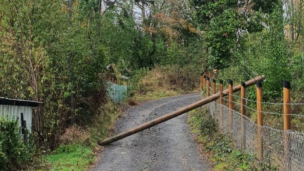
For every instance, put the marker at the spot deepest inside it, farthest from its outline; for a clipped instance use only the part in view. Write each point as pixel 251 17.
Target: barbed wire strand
pixel 270 103
pixel 264 112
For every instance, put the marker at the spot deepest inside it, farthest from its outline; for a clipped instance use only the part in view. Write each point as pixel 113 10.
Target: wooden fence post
pixel 230 105
pixel 208 93
pixel 287 123
pixel 23 128
pixel 213 86
pixel 208 86
pixel 202 80
pixel 214 92
pixel 205 82
pixel 243 113
pixel 259 120
pixel 221 106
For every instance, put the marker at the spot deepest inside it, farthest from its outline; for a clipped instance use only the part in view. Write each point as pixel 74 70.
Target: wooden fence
pixel 279 148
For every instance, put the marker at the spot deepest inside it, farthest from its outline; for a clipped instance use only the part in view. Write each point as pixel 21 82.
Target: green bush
pixel 14 153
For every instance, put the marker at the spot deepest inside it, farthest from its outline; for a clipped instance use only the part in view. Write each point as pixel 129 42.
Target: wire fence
pixel 116 92
pixel 283 150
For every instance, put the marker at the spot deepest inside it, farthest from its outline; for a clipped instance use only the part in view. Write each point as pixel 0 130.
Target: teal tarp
pixel 117 92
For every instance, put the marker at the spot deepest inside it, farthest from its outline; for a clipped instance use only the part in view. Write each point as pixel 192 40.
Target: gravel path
pixel 168 146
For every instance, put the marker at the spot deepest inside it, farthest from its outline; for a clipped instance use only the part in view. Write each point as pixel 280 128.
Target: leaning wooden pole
pixel 175 113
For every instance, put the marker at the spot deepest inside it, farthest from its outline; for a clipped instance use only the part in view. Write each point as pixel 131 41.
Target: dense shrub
pixel 14 153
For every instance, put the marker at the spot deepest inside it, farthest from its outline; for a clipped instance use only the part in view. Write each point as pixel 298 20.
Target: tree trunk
pixel 143 12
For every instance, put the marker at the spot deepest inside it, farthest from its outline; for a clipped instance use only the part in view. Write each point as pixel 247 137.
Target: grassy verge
pixel 79 149
pixel 218 146
pixel 154 95
pixel 70 157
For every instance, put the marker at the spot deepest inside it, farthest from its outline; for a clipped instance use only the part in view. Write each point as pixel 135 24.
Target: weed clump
pixel 218 146
pixel 74 135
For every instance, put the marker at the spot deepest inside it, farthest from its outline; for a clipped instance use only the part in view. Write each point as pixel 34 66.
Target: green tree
pixel 266 53
pixel 47 56
pixel 224 22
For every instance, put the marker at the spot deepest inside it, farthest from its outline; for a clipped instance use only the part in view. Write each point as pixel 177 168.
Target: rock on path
pixel 168 146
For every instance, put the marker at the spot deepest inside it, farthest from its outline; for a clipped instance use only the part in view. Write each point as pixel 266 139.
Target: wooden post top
pixel 259 84
pixel 230 82
pixel 286 84
pixel 243 84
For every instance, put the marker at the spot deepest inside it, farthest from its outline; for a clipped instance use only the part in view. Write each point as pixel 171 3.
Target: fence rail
pixel 282 149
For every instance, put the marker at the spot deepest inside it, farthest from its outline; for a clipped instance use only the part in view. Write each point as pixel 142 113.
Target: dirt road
pixel 165 147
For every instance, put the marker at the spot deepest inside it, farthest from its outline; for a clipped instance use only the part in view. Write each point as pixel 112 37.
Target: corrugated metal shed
pixel 15 108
